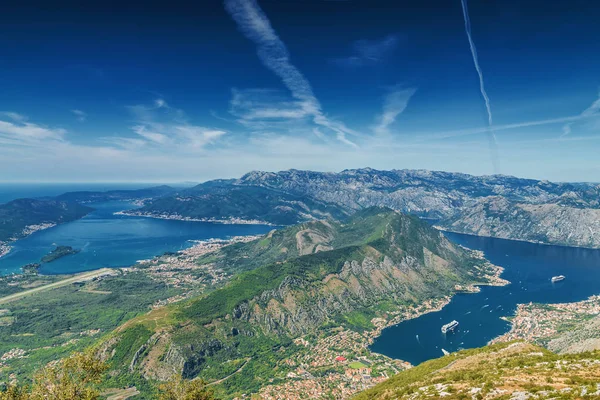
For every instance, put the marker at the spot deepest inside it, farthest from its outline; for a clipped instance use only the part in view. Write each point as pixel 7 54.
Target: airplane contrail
pixel 491 135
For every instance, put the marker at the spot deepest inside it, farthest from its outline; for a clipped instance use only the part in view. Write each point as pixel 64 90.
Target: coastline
pixel 443 229
pixel 5 247
pixel 539 322
pixel 177 217
pixel 344 348
pixel 434 305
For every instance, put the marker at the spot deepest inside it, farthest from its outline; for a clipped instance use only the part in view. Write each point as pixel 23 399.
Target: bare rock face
pixel 546 223
pixel 495 206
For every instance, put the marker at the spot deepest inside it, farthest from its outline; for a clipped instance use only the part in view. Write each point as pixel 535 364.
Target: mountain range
pixel 496 206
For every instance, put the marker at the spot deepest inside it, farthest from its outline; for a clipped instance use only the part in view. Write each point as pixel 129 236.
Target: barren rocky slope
pixel 546 223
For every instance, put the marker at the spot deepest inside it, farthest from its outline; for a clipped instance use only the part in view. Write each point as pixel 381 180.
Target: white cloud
pixel 592 111
pixel 20 132
pixel 14 116
pixel 252 105
pixel 394 104
pixel 272 52
pixel 151 136
pixel 369 52
pixel 80 115
pixel 163 128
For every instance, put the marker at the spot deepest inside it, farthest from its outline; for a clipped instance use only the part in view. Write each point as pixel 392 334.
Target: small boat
pixel 450 326
pixel 557 278
pixel 446 352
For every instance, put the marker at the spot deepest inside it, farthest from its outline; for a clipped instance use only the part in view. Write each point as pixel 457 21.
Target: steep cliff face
pixel 376 257
pixel 547 223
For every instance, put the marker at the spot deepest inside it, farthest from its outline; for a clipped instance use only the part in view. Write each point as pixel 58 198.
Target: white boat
pixel 557 278
pixel 450 326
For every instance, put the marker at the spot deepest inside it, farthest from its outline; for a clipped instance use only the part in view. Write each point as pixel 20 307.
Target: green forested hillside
pixel 225 202
pixel 350 271
pixel 17 215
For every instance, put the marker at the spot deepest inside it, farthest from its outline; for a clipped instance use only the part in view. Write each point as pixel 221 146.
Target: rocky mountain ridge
pixel 554 213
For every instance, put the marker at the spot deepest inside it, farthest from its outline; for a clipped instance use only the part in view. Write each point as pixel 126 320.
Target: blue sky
pixel 187 92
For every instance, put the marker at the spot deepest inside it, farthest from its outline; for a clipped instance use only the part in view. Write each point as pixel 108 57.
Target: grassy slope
pixel 495 372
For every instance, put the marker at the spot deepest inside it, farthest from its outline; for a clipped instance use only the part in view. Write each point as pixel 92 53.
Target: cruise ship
pixel 450 326
pixel 557 278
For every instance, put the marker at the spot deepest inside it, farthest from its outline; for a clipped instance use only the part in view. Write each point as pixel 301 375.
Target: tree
pixel 178 388
pixel 72 378
pixel 14 392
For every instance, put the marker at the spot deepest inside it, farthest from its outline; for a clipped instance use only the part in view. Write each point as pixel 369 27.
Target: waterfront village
pixel 181 270
pixel 28 230
pixel 539 323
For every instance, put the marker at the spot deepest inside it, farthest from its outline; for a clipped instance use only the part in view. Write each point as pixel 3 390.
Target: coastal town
pixel 5 246
pixel 538 323
pixel 177 217
pixel 181 269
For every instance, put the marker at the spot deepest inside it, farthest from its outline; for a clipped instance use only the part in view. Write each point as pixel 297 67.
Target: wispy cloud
pixel 13 116
pixel 589 113
pixel 162 127
pixel 490 132
pixel 16 130
pixel 80 115
pixel 369 52
pixel 592 111
pixel 272 52
pixel 250 105
pixel 394 104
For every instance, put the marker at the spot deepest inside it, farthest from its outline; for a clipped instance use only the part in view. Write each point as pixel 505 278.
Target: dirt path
pixel 230 375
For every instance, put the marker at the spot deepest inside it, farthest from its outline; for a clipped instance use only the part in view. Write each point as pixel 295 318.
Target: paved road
pixel 64 282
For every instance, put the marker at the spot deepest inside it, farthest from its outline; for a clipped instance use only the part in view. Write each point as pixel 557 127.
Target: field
pixel 357 365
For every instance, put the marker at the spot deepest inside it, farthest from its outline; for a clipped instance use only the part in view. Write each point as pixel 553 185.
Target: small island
pixel 58 252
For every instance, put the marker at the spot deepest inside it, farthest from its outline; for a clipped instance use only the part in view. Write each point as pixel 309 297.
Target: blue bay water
pixel 528 266
pixel 108 240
